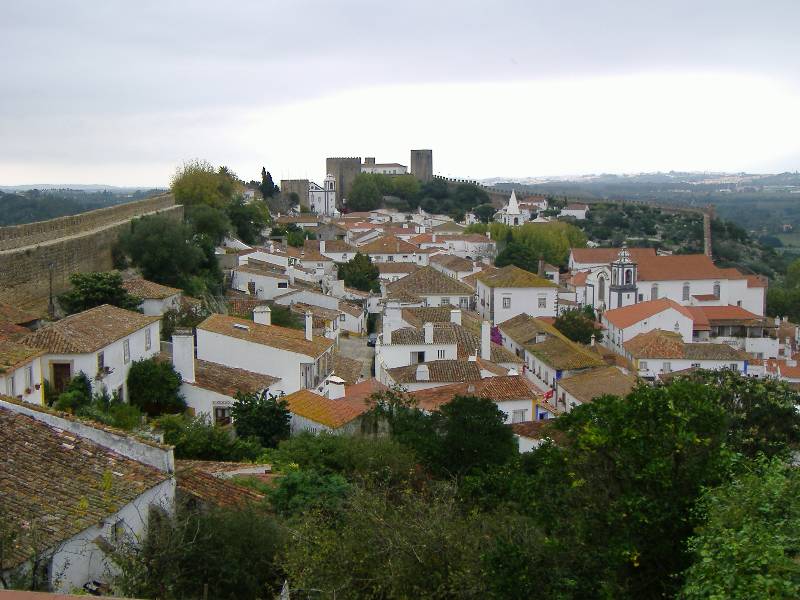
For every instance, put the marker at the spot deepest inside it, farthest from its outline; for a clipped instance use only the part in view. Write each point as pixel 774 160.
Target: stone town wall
pixel 76 244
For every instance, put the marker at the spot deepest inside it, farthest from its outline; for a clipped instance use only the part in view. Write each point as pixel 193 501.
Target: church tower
pixel 622 291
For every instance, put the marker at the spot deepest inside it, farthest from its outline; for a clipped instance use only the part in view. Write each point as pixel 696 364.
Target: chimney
pixel 335 387
pixel 321 246
pixel 594 339
pixel 455 316
pixel 486 341
pixel 262 315
pixel 387 332
pixel 423 374
pixel 290 274
pixel 183 353
pixel 512 372
pixel 541 267
pixel 309 326
pixel 489 234
pixel 428 329
pixel 433 238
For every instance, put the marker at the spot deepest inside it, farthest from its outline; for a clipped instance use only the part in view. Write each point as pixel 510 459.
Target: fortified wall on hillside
pixel 30 254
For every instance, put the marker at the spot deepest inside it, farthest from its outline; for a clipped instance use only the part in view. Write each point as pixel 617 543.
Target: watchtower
pixel 422 164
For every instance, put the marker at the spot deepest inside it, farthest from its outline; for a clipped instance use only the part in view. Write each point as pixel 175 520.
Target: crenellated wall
pixel 76 244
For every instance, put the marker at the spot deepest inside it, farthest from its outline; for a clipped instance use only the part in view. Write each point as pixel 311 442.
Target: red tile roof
pixel 608 255
pixel 630 315
pixel 507 387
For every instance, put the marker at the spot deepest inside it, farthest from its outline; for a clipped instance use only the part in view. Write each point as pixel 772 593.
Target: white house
pixel 623 324
pixel 511 291
pixel 658 352
pixel 512 213
pixel 340 413
pixel 210 388
pixel 453 266
pixel 431 286
pixel 584 387
pixel 73 492
pixel 575 210
pixel 322 198
pixel 370 166
pixel 101 342
pixel 156 299
pixel 389 248
pixel 298 358
pixel 21 372
pixel 351 317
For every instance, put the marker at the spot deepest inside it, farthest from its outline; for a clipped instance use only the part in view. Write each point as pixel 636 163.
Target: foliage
pixel 359 273
pixel 111 410
pixel 484 212
pixel 298 491
pixel 248 219
pixel 262 416
pixel 466 434
pixel 406 186
pixel 93 289
pixel 232 550
pixel 196 438
pixel 185 317
pixel 747 546
pixel 77 394
pixel 209 221
pixel 284 317
pixel 579 326
pixel 550 241
pixel 155 387
pixel 267 186
pixel 197 182
pixel 168 252
pixel 365 193
pixel 294 234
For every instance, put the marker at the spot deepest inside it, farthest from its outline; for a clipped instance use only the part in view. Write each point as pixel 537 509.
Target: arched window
pixel 716 289
pixel 654 292
pixel 601 289
pixel 628 276
pixel 686 290
pixel 516 221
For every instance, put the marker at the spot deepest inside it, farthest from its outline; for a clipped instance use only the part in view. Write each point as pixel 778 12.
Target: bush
pixel 299 491
pixel 154 386
pixel 93 289
pixel 261 416
pixel 196 438
pixel 76 394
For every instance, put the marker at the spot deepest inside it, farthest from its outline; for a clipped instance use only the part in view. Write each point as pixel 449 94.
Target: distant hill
pixel 83 187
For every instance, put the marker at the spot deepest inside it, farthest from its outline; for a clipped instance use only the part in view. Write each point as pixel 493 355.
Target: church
pixel 512 213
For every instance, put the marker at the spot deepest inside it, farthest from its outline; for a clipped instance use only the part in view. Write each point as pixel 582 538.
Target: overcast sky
pixel 121 92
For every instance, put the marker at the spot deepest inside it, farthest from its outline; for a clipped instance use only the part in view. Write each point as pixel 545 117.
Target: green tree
pixel 469 195
pixel 155 387
pixel 365 193
pixel 197 182
pixel 196 438
pixel 747 545
pixel 77 394
pixel 406 186
pixel 262 416
pixel 248 220
pixel 520 255
pixel 267 187
pixel 793 275
pixel 209 221
pixel 484 212
pixel 578 326
pixel 299 491
pixel 93 289
pixel 359 273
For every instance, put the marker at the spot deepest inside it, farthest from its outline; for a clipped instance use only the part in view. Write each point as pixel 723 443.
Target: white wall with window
pixel 24 382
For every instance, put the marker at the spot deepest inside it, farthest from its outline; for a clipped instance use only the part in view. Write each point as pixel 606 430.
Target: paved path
pixel 356 348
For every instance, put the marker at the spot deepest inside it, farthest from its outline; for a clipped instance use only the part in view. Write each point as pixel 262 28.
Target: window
pixel 685 291
pixel 28 377
pixel 282 285
pixel 518 416
pixel 445 301
pixel 542 301
pixel 463 302
pixel 148 341
pixel 440 354
pixel 507 302
pixel 601 288
pixel 342 317
pixel 126 351
pixel 654 292
pixel 734 367
pixel 222 415
pixel 11 387
pixel 695 365
pixel 716 289
pixel 643 365
pixel 739 303
pixel 667 368
pixel 101 361
pixel 391 258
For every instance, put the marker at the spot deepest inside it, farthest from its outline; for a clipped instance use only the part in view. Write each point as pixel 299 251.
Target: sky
pixel 122 93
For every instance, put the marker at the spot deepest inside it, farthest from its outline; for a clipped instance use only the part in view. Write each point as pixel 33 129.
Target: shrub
pixel 154 386
pixel 197 438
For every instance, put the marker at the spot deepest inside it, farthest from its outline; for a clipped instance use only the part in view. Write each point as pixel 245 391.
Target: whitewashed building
pixel 510 291
pixel 512 213
pixel 322 198
pixel 21 372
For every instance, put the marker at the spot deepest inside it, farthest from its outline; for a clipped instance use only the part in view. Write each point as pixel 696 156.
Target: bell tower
pixel 622 291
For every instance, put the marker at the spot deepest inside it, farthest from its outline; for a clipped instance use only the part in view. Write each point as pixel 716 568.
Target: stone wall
pixel 30 254
pixel 344 171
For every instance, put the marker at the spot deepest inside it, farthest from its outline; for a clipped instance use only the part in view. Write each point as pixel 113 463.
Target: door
pixel 62 372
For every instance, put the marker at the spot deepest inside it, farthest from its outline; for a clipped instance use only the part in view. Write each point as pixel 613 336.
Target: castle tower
pixel 344 172
pixel 422 164
pixel 622 291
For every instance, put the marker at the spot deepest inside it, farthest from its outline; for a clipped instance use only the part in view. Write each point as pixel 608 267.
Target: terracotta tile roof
pixel 509 387
pixel 467 342
pixel 427 238
pixel 607 255
pixel 351 309
pixel 524 328
pixel 438 371
pixel 333 246
pixel 577 207
pixel 540 430
pixel 725 315
pixel 88 331
pixel 390 244
pixel 243 307
pixel 630 315
pixel 756 281
pixel 14 315
pixel 667 344
pixel 68 483
pixel 146 290
pixel 704 297
pixel 590 384
pixel 418 316
pixel 273 336
pixel 13 355
pixel 210 489
pixel 358 394
pixel 322 410
pixel 471 280
pixel 259 268
pixel 12 331
pixel 229 380
pixel 511 276
pixel 404 297
pixel 579 278
pixel 682 267
pixel 452 262
pixel 397 267
pixel 449 226
pixel 428 281
pixel 413 336
pixel 319 313
pixel 347 368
